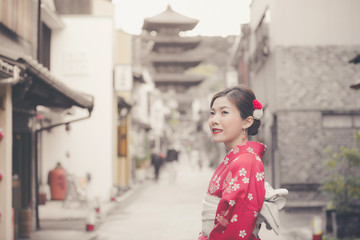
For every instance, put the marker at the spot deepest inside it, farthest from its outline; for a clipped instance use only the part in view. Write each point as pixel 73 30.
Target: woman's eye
pixel 212 113
pixel 225 112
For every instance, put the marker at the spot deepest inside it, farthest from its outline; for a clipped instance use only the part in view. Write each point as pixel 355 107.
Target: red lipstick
pixel 216 130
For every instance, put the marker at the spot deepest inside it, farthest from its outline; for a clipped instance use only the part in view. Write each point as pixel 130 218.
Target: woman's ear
pixel 248 122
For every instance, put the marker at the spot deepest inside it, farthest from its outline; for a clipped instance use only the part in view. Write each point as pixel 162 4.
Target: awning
pixel 123 107
pixel 123 104
pixel 39 87
pixel 138 75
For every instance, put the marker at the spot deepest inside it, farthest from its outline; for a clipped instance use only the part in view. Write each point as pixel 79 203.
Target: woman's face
pixel 226 124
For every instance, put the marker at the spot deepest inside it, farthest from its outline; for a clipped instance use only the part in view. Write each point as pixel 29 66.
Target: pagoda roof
pixel 163 79
pixel 183 59
pixel 173 41
pixel 186 42
pixel 186 46
pixel 169 19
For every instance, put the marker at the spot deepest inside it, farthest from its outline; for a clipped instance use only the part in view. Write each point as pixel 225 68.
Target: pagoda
pixel 171 55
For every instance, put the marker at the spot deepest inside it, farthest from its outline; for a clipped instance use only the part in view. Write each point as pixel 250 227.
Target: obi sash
pixel 274 201
pixel 210 204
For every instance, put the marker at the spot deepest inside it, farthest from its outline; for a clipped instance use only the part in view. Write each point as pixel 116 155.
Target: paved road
pixel 166 210
pixel 163 210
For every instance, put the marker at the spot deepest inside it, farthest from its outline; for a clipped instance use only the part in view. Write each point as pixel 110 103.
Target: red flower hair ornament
pixel 258 110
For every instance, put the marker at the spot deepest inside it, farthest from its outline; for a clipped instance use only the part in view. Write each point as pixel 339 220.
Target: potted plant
pixel 342 185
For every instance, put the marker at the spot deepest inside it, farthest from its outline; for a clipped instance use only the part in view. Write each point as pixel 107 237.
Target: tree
pixel 343 183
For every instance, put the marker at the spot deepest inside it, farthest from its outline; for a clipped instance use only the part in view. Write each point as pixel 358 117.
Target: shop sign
pixel 123 78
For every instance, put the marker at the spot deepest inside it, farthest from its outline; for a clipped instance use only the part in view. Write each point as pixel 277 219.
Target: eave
pixel 39 87
pixel 177 79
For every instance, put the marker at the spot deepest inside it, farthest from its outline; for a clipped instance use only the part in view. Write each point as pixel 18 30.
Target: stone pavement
pixel 58 222
pixel 120 219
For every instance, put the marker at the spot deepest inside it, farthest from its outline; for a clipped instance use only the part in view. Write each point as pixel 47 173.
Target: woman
pixel 236 191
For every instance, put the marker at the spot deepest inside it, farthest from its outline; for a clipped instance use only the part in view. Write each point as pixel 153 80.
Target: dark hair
pixel 243 98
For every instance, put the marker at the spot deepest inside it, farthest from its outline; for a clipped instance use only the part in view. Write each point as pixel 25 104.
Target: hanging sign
pixel 123 78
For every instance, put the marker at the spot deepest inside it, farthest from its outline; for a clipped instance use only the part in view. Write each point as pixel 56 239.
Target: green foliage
pixel 329 238
pixel 343 183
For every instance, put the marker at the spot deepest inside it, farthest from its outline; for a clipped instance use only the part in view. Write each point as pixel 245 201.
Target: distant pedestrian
pixel 236 191
pixel 196 161
pixel 157 161
pixel 171 159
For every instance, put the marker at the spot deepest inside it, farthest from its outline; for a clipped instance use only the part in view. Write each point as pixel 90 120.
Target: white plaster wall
pixel 82 57
pixel 257 10
pixel 309 22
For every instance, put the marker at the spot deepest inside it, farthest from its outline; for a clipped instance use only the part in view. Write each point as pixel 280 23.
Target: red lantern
pixel 57 182
pixel 1 133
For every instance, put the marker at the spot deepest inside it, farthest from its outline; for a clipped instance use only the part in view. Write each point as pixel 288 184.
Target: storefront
pixel 31 86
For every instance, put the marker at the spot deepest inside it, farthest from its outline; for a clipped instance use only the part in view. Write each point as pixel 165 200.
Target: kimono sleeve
pixel 243 194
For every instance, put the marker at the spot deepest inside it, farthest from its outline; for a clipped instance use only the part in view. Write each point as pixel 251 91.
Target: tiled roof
pixel 169 18
pixel 38 86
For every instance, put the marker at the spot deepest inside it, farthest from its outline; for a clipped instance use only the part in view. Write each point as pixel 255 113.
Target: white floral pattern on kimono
pixel 239 183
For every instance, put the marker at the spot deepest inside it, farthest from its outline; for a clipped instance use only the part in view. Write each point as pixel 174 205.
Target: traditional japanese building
pixel 168 55
pixel 32 101
pixel 302 72
pixel 171 54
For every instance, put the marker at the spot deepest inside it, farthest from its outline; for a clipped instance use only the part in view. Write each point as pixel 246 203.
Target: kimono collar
pixel 251 146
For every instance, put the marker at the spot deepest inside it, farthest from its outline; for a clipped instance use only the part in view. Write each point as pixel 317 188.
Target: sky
pixel 216 17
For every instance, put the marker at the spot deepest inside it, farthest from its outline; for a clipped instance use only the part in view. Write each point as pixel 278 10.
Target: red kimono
pixel 239 183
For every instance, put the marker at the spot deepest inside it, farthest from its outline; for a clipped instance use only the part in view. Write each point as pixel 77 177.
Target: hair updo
pixel 243 98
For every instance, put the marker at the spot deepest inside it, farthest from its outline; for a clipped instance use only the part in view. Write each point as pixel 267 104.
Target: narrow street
pixel 166 210
pixel 163 210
